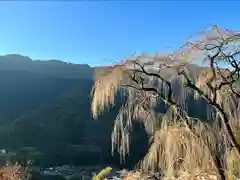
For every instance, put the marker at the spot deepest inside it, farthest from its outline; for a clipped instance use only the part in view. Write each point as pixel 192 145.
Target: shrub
pixel 104 173
pixel 14 172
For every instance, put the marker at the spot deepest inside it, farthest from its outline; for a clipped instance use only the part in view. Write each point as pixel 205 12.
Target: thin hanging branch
pixel 133 74
pixel 169 100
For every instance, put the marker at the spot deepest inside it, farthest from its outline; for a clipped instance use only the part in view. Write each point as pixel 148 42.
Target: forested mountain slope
pixel 45 113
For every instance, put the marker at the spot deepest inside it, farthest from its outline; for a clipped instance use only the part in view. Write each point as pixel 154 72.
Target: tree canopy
pixel 206 67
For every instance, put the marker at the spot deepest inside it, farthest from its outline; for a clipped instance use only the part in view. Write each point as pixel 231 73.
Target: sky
pixel 105 32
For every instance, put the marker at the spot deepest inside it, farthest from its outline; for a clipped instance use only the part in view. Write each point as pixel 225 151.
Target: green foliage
pixel 104 173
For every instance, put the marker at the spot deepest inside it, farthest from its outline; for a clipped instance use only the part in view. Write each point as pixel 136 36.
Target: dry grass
pixel 14 172
pixel 233 164
pixel 176 151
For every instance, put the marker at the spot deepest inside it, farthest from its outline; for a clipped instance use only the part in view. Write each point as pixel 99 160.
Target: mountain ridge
pixel 45 105
pixel 52 67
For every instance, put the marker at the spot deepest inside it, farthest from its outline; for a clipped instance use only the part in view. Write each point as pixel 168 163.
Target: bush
pixel 14 172
pixel 104 173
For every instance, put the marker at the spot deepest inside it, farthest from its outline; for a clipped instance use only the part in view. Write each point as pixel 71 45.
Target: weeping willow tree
pixel 207 67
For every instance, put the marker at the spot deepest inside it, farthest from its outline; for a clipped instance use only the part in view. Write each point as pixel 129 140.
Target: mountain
pixel 53 68
pixel 35 83
pixel 45 114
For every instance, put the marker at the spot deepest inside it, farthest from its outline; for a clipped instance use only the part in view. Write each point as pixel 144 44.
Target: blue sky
pixel 101 33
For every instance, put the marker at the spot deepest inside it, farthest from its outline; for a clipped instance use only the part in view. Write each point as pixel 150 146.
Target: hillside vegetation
pixel 45 114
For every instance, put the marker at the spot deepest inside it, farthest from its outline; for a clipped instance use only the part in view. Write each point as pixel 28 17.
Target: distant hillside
pixel 45 114
pixel 55 68
pixel 22 91
pixel 45 107
pixel 65 133
pixel 27 84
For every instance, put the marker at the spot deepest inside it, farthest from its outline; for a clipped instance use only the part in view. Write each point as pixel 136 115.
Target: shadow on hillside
pixel 139 144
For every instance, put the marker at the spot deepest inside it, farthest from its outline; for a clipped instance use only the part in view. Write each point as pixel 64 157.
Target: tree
pixel 206 68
